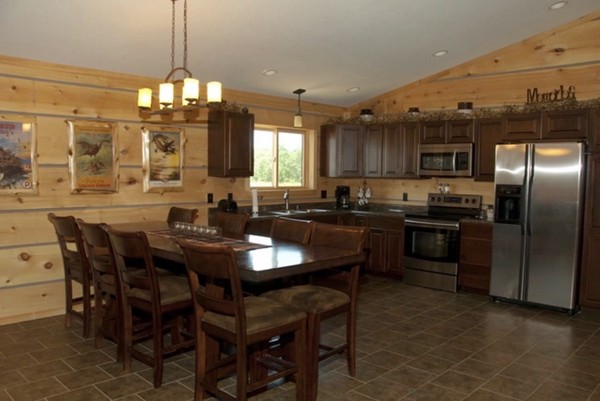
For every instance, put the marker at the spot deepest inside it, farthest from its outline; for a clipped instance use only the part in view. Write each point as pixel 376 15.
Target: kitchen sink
pixel 287 212
pixel 396 210
pixel 316 210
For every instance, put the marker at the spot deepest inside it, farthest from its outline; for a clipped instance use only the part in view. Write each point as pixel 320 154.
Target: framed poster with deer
pixel 162 152
pixel 93 157
pixel 18 155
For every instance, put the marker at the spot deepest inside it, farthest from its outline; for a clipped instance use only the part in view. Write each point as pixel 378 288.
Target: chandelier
pixel 191 86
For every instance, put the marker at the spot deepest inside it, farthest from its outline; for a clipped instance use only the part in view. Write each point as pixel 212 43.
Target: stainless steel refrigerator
pixel 537 223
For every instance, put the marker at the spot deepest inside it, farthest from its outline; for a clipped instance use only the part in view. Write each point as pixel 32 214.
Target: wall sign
pixel 162 152
pixel 18 155
pixel 562 93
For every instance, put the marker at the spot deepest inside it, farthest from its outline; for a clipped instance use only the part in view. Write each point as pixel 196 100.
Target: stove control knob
pixel 467 201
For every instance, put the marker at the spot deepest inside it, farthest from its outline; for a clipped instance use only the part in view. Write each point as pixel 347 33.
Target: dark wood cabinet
pixel 373 140
pixel 590 264
pixel 342 148
pixel 410 147
pixel 475 256
pixel 391 150
pixel 230 144
pixel 385 242
pixel 525 126
pixel 568 124
pixel 488 133
pixel 450 131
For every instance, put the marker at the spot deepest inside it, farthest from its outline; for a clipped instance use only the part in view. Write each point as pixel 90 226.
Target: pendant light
pixel 298 116
pixel 191 87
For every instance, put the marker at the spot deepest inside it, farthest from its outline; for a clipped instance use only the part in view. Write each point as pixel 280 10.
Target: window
pixel 279 158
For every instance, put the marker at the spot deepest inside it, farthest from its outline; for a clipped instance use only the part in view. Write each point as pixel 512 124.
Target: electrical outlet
pixel 209 198
pixel 404 196
pixel 324 194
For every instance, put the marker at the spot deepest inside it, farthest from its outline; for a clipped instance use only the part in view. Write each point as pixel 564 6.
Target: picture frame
pixel 163 152
pixel 18 155
pixel 93 157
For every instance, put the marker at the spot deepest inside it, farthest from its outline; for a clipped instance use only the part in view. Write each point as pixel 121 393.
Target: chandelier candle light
pixel 191 86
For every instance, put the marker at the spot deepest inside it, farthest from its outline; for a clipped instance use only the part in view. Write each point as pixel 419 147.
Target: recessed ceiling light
pixel 440 53
pixel 353 89
pixel 557 5
pixel 269 72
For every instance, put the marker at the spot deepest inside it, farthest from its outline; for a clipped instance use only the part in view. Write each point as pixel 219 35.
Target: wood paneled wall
pixel 30 266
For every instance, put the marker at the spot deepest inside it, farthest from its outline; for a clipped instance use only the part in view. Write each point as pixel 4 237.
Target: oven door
pixel 431 240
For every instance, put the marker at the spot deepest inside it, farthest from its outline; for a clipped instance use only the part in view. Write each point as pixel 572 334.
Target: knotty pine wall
pixel 31 284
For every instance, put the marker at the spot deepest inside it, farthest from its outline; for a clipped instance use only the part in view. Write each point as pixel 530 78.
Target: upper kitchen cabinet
pixel 488 133
pixel 391 150
pixel 568 124
pixel 450 131
pixel 523 126
pixel 342 148
pixel 230 144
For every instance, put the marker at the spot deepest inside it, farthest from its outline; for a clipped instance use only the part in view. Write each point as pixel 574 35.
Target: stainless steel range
pixel 431 249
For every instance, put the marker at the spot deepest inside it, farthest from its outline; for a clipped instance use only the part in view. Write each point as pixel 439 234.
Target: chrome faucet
pixel 286 198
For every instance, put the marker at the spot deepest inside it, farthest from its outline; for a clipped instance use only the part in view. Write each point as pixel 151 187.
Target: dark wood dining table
pixel 260 259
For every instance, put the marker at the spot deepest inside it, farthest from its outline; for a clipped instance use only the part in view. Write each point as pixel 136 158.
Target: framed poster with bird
pixel 18 155
pixel 162 151
pixel 93 157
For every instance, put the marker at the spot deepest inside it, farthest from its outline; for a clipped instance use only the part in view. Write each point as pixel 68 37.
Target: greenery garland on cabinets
pixel 480 113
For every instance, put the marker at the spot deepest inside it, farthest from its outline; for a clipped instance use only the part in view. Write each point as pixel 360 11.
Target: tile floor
pixel 414 344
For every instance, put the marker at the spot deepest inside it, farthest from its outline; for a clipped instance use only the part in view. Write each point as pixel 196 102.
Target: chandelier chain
pixel 173 34
pixel 185 47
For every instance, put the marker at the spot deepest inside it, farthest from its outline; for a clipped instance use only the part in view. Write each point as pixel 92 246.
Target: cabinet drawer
pixel 476 229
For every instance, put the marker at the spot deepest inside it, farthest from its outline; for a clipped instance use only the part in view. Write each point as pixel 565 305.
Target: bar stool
pixel 224 316
pixel 77 269
pixel 329 294
pixel 232 223
pixel 182 214
pixel 163 296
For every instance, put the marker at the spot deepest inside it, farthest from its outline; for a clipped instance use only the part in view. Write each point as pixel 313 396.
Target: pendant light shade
pixel 298 116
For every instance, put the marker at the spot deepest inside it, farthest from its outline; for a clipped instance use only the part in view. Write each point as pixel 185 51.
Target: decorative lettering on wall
pixel 534 96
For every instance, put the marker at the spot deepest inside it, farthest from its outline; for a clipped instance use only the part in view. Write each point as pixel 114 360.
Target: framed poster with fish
pixel 93 157
pixel 162 151
pixel 18 155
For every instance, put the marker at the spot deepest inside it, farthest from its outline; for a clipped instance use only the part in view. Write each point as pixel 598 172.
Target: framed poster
pixel 162 151
pixel 93 156
pixel 18 155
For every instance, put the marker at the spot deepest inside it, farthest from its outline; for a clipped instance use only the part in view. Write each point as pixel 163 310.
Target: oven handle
pixel 431 224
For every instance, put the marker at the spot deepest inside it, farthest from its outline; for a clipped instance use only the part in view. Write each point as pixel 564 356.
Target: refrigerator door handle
pixel 531 172
pixel 454 157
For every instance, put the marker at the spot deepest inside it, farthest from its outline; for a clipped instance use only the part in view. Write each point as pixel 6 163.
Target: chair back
pixel 131 253
pixel 71 246
pixel 343 237
pixel 182 214
pixel 215 283
pixel 293 230
pixel 96 242
pixel 232 223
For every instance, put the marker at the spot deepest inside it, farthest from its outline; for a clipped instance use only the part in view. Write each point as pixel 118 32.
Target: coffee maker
pixel 342 197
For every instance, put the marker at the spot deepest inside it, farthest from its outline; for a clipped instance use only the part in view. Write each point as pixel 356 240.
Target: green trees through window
pixel 278 158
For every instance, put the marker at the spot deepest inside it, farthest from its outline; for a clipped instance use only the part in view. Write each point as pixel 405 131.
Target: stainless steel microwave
pixel 446 160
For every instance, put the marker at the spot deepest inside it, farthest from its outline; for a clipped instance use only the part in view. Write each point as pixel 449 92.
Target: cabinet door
pixel 488 133
pixel 433 132
pixel 341 151
pixel 459 131
pixel 475 256
pixel 410 145
pixel 230 144
pixel 395 251
pixel 373 150
pixel 523 126
pixel 377 249
pixel 392 149
pixel 570 124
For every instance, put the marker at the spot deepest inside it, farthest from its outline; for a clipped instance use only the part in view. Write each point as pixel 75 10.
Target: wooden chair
pixel 332 293
pixel 231 223
pixel 76 269
pixel 107 307
pixel 223 316
pixel 161 295
pixel 294 230
pixel 182 214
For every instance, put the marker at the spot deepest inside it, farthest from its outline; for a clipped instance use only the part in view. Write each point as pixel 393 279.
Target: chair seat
pixel 261 314
pixel 172 289
pixel 309 298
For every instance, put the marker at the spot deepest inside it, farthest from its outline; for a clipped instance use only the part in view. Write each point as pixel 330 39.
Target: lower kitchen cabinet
pixel 475 256
pixel 385 243
pixel 589 294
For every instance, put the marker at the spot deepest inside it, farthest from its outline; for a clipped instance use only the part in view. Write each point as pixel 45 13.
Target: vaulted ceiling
pixel 323 46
